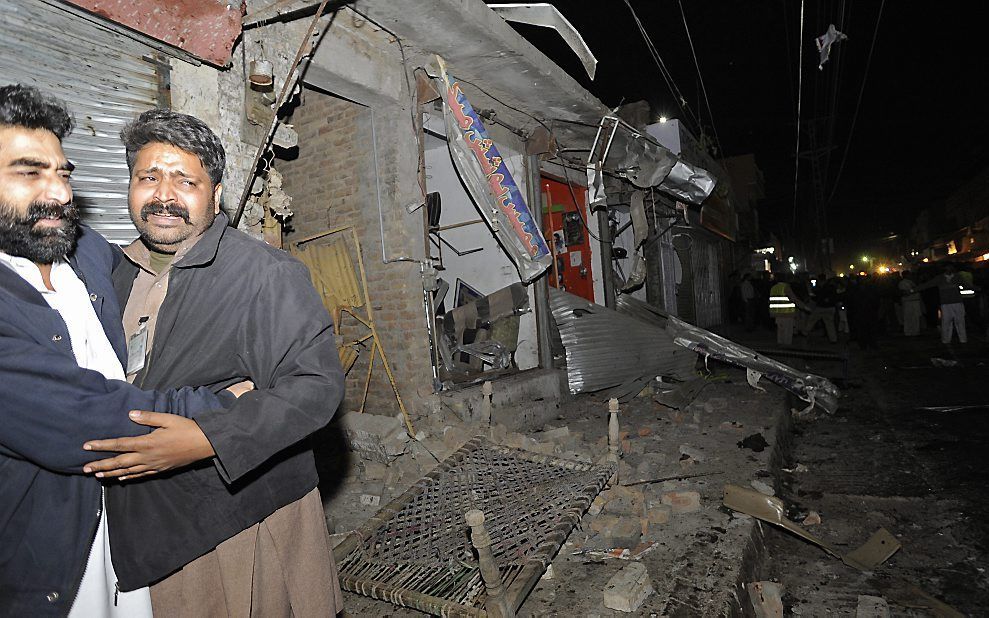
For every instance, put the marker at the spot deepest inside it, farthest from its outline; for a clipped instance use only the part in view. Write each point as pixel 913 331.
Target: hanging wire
pixel 667 76
pixel 858 104
pixel 800 86
pixel 707 101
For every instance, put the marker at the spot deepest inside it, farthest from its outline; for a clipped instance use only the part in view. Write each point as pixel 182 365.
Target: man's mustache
pixel 43 210
pixel 164 208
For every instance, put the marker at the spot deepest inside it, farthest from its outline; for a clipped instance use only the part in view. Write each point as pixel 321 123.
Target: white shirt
pixel 97 594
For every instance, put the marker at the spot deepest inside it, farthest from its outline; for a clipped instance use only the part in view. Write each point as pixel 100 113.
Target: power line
pixel 800 87
pixel 667 76
pixel 858 104
pixel 700 77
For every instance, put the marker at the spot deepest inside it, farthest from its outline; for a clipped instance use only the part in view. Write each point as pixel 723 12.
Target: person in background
pixel 783 306
pixel 751 302
pixel 825 297
pixel 949 287
pixel 913 308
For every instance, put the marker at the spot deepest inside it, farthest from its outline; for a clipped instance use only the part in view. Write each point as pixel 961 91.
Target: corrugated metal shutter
pixel 104 79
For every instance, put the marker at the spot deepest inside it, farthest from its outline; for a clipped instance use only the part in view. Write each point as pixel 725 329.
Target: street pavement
pixel 884 461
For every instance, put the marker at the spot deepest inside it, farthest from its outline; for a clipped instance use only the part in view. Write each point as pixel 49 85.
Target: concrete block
pixel 374 437
pixel 871 607
pixel 618 531
pixel 660 514
pixel 682 501
pixel 628 589
pixel 620 500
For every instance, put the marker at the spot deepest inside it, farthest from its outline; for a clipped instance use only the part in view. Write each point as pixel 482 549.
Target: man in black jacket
pixel 208 304
pixel 61 376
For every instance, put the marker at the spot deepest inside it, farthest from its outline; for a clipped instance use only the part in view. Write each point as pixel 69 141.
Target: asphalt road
pixel 883 461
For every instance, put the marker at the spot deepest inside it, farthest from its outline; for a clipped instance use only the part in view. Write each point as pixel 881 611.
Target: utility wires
pixel 667 76
pixel 800 85
pixel 707 101
pixel 858 104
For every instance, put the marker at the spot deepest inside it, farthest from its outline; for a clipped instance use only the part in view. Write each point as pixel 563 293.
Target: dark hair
pixel 25 106
pixel 185 132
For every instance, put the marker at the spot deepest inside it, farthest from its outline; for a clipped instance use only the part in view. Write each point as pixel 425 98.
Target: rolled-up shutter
pixel 105 79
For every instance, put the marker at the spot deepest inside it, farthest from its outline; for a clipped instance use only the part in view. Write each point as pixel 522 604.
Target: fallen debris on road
pixel 880 546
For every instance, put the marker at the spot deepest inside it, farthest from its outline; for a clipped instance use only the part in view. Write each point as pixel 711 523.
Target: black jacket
pixel 236 309
pixel 49 406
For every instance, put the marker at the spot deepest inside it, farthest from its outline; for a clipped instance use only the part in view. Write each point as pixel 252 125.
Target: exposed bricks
pixel 332 184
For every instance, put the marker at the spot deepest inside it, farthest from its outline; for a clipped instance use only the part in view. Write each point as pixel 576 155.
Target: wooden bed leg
pixel 487 390
pixel 496 603
pixel 614 437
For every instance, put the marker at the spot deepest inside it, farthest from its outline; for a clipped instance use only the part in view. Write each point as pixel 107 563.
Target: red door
pixel 564 227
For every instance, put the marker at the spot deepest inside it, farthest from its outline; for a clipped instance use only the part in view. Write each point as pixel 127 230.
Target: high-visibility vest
pixel 965 292
pixel 779 302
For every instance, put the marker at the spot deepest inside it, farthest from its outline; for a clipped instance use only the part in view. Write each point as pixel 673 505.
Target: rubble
pixel 763 488
pixel 871 607
pixel 766 599
pixel 682 501
pixel 617 530
pixel 375 437
pixel 628 589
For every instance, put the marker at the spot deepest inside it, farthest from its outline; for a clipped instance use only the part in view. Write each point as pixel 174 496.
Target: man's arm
pixel 50 405
pixel 293 361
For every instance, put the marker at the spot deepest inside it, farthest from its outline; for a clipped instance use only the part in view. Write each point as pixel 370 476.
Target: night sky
pixel 922 128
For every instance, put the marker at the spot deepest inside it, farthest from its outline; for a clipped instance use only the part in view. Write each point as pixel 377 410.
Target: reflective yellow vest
pixel 779 302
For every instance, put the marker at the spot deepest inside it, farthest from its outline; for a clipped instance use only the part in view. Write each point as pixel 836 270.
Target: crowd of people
pixel 863 307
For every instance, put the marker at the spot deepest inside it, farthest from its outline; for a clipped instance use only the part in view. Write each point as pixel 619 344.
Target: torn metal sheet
pixel 814 389
pixel 880 546
pixel 206 29
pixel 640 232
pixel 608 350
pixel 548 16
pixel 825 41
pixel 642 160
pixel 490 184
pixel 681 396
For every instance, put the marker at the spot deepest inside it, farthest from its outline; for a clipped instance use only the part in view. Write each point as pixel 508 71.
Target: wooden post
pixel 487 389
pixel 496 603
pixel 614 437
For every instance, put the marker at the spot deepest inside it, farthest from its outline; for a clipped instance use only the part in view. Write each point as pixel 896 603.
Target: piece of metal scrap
pixel 608 350
pixel 868 557
pixel 814 389
pixel 548 16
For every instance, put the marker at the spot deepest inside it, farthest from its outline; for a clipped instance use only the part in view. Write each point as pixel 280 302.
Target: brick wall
pixel 332 182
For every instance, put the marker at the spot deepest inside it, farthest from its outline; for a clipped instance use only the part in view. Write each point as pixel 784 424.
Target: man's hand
pixel 240 388
pixel 176 442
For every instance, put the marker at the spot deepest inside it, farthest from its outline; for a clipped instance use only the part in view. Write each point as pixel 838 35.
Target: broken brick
pixel 682 501
pixel 628 588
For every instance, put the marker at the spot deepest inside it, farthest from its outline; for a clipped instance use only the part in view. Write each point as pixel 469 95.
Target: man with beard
pixel 62 380
pixel 210 305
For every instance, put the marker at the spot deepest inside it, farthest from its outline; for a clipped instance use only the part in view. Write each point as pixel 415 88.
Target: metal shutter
pixel 105 78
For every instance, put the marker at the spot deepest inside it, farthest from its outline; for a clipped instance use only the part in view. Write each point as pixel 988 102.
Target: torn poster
pixel 490 184
pixel 825 41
